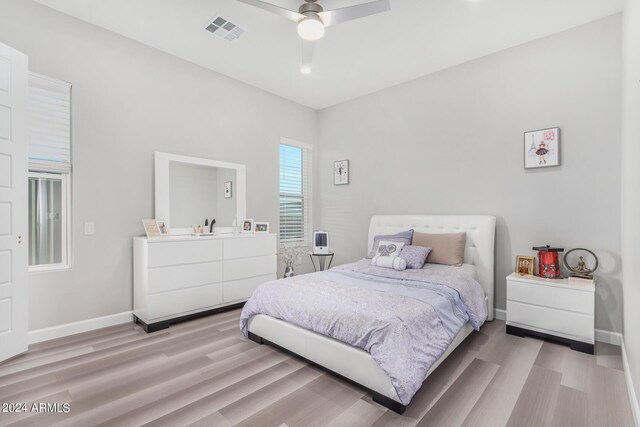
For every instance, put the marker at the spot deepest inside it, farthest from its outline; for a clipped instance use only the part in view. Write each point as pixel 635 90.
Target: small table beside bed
pixel 384 329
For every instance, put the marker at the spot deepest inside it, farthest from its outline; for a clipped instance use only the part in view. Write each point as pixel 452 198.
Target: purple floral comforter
pixel 404 319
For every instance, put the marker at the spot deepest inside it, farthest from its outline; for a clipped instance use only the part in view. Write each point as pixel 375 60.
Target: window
pixel 295 193
pixel 49 173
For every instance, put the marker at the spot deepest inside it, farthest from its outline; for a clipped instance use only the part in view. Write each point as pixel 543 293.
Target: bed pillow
pixel 388 255
pixel 415 256
pixel 402 237
pixel 447 249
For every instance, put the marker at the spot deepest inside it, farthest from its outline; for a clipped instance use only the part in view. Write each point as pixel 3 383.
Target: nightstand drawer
pixel 551 320
pixel 549 296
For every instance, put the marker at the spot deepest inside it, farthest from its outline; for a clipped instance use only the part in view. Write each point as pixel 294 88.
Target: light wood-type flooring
pixel 205 373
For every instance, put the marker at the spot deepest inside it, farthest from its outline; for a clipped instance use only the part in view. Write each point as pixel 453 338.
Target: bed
pixel 352 362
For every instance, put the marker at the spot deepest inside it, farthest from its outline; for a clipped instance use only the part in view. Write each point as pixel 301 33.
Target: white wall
pixel 452 143
pixel 130 100
pixel 630 186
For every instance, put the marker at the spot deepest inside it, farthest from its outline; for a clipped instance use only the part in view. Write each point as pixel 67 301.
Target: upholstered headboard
pixel 479 250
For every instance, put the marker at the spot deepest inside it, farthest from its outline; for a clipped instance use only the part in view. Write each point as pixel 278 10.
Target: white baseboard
pixel 60 331
pixel 633 398
pixel 609 337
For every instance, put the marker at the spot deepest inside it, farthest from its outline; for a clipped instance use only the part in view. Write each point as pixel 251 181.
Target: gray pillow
pixel 402 237
pixel 415 256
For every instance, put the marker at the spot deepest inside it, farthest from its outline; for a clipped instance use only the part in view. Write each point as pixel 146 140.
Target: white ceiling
pixel 415 38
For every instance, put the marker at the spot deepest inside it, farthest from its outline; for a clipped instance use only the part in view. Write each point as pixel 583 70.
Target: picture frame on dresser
pixel 261 227
pixel 247 226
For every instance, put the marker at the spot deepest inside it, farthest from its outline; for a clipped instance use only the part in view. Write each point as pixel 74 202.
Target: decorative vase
pixel 288 272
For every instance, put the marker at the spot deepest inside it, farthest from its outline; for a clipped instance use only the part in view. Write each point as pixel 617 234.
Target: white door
pixel 13 202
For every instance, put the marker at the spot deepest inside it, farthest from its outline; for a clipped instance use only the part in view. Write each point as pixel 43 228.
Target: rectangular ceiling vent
pixel 224 29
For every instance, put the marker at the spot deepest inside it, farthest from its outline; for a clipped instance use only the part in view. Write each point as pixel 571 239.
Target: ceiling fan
pixel 312 19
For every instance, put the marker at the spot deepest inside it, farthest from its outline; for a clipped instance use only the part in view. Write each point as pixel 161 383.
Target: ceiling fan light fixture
pixel 306 69
pixel 311 28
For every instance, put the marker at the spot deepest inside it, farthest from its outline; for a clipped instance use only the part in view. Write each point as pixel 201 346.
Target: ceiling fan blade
pixel 285 13
pixel 337 16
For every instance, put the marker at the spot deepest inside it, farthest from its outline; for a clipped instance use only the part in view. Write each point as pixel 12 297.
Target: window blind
pixel 295 193
pixel 49 124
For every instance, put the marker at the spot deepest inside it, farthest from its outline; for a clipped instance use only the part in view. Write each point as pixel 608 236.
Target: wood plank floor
pixel 205 373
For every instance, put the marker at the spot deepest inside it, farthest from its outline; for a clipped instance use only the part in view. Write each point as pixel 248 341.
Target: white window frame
pixel 57 167
pixel 306 195
pixel 65 214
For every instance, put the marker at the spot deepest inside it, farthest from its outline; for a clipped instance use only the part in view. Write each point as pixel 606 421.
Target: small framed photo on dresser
pixel 261 227
pixel 341 172
pixel 247 226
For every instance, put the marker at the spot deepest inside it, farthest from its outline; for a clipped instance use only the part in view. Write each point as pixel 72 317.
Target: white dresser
pixel 176 278
pixel 552 308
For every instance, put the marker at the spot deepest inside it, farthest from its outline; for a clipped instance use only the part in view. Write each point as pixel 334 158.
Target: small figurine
pixel 582 266
pixel 581 270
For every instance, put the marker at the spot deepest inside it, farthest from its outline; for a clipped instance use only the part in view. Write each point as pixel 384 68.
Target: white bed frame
pixel 356 365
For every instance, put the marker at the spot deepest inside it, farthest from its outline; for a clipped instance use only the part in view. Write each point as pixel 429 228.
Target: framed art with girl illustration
pixel 542 148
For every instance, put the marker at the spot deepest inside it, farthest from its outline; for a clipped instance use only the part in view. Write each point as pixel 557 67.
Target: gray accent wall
pixel 128 101
pixel 452 143
pixel 631 190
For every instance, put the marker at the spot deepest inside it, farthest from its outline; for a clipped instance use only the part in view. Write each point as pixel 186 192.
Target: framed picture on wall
pixel 542 148
pixel 227 190
pixel 341 172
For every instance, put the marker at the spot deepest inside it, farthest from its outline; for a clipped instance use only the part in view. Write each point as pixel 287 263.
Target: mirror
pixel 190 190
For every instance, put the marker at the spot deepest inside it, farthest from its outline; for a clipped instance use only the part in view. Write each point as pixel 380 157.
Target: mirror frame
pixel 161 187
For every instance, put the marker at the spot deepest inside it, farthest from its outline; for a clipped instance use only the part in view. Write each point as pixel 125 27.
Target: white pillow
pixel 396 263
pixel 388 255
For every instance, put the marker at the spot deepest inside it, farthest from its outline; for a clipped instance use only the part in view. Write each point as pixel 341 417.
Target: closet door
pixel 13 202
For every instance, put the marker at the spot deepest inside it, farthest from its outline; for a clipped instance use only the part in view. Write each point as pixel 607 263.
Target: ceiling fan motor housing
pixel 310 8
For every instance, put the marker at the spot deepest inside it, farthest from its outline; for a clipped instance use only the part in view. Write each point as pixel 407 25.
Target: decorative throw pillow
pixel 396 263
pixel 388 255
pixel 446 248
pixel 415 256
pixel 402 237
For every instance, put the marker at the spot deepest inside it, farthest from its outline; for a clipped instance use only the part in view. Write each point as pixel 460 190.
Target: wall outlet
pixel 89 228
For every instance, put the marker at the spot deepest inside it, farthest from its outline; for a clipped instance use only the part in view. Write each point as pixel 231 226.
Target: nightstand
pixel 552 309
pixel 321 260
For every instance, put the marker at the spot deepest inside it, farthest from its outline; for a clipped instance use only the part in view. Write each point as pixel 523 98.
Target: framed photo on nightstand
pixel 524 265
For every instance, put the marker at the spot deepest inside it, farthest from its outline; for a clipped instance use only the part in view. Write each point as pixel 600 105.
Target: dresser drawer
pixel 162 279
pixel 250 267
pixel 549 296
pixel 551 320
pixel 177 303
pixel 239 290
pixel 247 247
pixel 168 253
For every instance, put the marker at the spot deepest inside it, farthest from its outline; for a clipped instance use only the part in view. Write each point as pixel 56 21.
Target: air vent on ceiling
pixel 224 29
